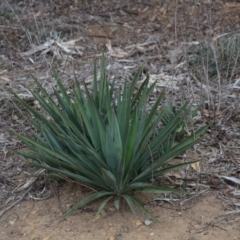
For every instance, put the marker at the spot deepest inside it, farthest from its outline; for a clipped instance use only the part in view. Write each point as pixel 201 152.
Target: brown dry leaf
pixel 46 238
pixel 138 222
pixel 6 79
pixel 117 52
pixel 196 166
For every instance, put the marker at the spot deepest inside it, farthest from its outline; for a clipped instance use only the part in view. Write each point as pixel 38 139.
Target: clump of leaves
pixel 221 55
pixel 106 140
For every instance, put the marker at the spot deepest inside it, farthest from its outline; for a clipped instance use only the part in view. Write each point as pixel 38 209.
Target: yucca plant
pixel 105 139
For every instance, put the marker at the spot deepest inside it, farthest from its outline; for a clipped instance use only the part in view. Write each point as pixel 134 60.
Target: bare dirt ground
pixel 67 35
pixel 42 220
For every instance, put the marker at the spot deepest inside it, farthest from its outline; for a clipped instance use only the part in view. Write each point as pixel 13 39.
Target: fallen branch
pixel 19 200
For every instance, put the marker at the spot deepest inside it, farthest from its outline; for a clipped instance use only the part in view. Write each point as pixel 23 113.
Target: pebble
pixel 147 222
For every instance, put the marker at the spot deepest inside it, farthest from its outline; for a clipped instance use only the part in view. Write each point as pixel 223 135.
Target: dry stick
pixel 12 205
pixel 205 69
pixel 209 21
pixel 175 47
pixel 35 21
pixel 218 74
pixel 18 19
pixel 194 196
pixel 234 66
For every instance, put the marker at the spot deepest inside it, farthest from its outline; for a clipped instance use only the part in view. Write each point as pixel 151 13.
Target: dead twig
pixel 15 203
pixel 194 196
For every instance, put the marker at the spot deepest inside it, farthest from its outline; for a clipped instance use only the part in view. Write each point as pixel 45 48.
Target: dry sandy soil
pixel 129 33
pixel 42 220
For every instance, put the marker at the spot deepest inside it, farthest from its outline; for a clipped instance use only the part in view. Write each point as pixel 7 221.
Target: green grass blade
pixel 129 201
pixel 153 112
pixel 140 205
pixel 131 139
pixel 87 200
pixel 117 140
pixel 171 168
pixel 148 171
pixel 110 179
pixel 191 138
pixel 79 178
pixel 117 203
pixel 161 136
pixel 102 206
pixel 111 155
pixel 140 92
pixel 160 189
pixel 95 83
pixel 62 89
pixel 123 112
pixel 29 108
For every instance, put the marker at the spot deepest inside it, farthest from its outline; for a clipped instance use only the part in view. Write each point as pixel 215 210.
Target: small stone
pixel 192 238
pixel 147 222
